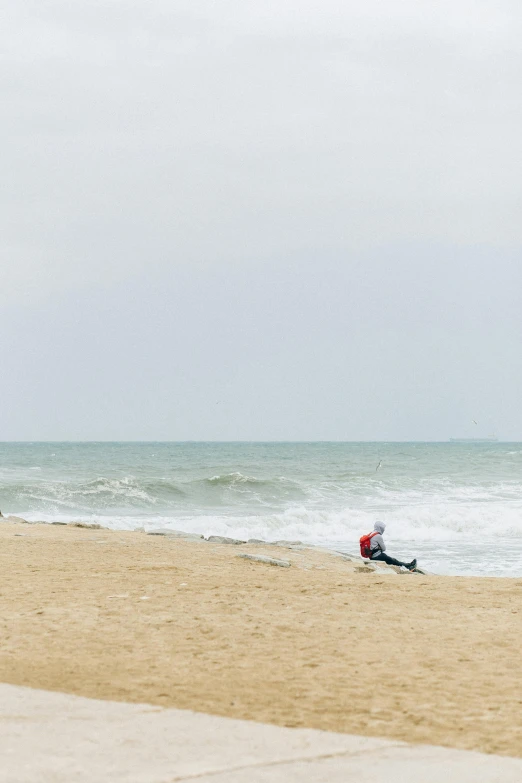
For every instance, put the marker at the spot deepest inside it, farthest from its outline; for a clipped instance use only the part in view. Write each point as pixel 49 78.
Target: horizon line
pixel 264 442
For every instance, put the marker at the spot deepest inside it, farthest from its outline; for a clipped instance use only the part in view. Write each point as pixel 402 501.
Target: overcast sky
pixel 268 220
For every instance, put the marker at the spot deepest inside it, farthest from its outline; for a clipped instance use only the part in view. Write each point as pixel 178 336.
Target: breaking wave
pixel 269 511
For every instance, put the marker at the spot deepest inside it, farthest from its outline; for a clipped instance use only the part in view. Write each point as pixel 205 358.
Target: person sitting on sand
pixel 373 546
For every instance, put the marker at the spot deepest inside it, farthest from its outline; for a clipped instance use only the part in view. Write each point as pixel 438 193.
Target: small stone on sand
pixel 267 560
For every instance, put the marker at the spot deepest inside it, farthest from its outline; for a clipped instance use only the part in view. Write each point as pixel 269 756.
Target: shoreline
pixel 218 539
pixel 323 642
pixel 338 547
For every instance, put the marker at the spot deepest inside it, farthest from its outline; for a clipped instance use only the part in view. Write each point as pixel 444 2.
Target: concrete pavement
pixel 57 738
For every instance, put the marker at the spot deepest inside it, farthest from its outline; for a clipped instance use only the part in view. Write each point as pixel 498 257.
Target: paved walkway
pixel 57 738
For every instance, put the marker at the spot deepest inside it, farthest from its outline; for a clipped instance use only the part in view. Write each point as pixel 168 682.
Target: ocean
pixel 457 507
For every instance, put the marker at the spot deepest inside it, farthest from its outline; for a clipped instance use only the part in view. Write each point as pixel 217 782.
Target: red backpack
pixel 365 542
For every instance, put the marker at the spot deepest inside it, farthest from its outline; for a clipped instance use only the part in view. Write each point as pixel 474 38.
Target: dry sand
pixel 139 618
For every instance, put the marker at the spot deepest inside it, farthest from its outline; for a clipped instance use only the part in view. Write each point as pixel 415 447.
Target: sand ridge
pixel 322 644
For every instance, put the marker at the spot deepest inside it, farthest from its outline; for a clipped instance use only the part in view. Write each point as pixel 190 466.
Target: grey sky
pixel 288 220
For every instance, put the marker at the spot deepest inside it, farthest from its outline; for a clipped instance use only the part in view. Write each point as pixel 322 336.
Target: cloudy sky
pixel 271 220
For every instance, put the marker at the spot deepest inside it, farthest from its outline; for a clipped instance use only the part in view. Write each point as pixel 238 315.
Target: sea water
pixel 457 507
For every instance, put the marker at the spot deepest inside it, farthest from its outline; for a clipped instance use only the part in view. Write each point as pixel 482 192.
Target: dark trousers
pixel 387 559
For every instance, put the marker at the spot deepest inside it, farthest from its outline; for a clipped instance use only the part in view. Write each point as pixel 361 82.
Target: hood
pixel 380 527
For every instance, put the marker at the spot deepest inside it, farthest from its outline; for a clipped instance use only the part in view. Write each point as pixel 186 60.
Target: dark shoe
pixel 412 565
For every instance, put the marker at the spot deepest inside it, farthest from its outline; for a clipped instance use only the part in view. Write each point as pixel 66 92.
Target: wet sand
pixel 138 618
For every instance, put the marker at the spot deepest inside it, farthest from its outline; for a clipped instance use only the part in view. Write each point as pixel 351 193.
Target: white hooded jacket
pixel 377 542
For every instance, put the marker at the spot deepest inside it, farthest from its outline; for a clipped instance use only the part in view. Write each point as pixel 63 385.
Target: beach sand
pixel 137 618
